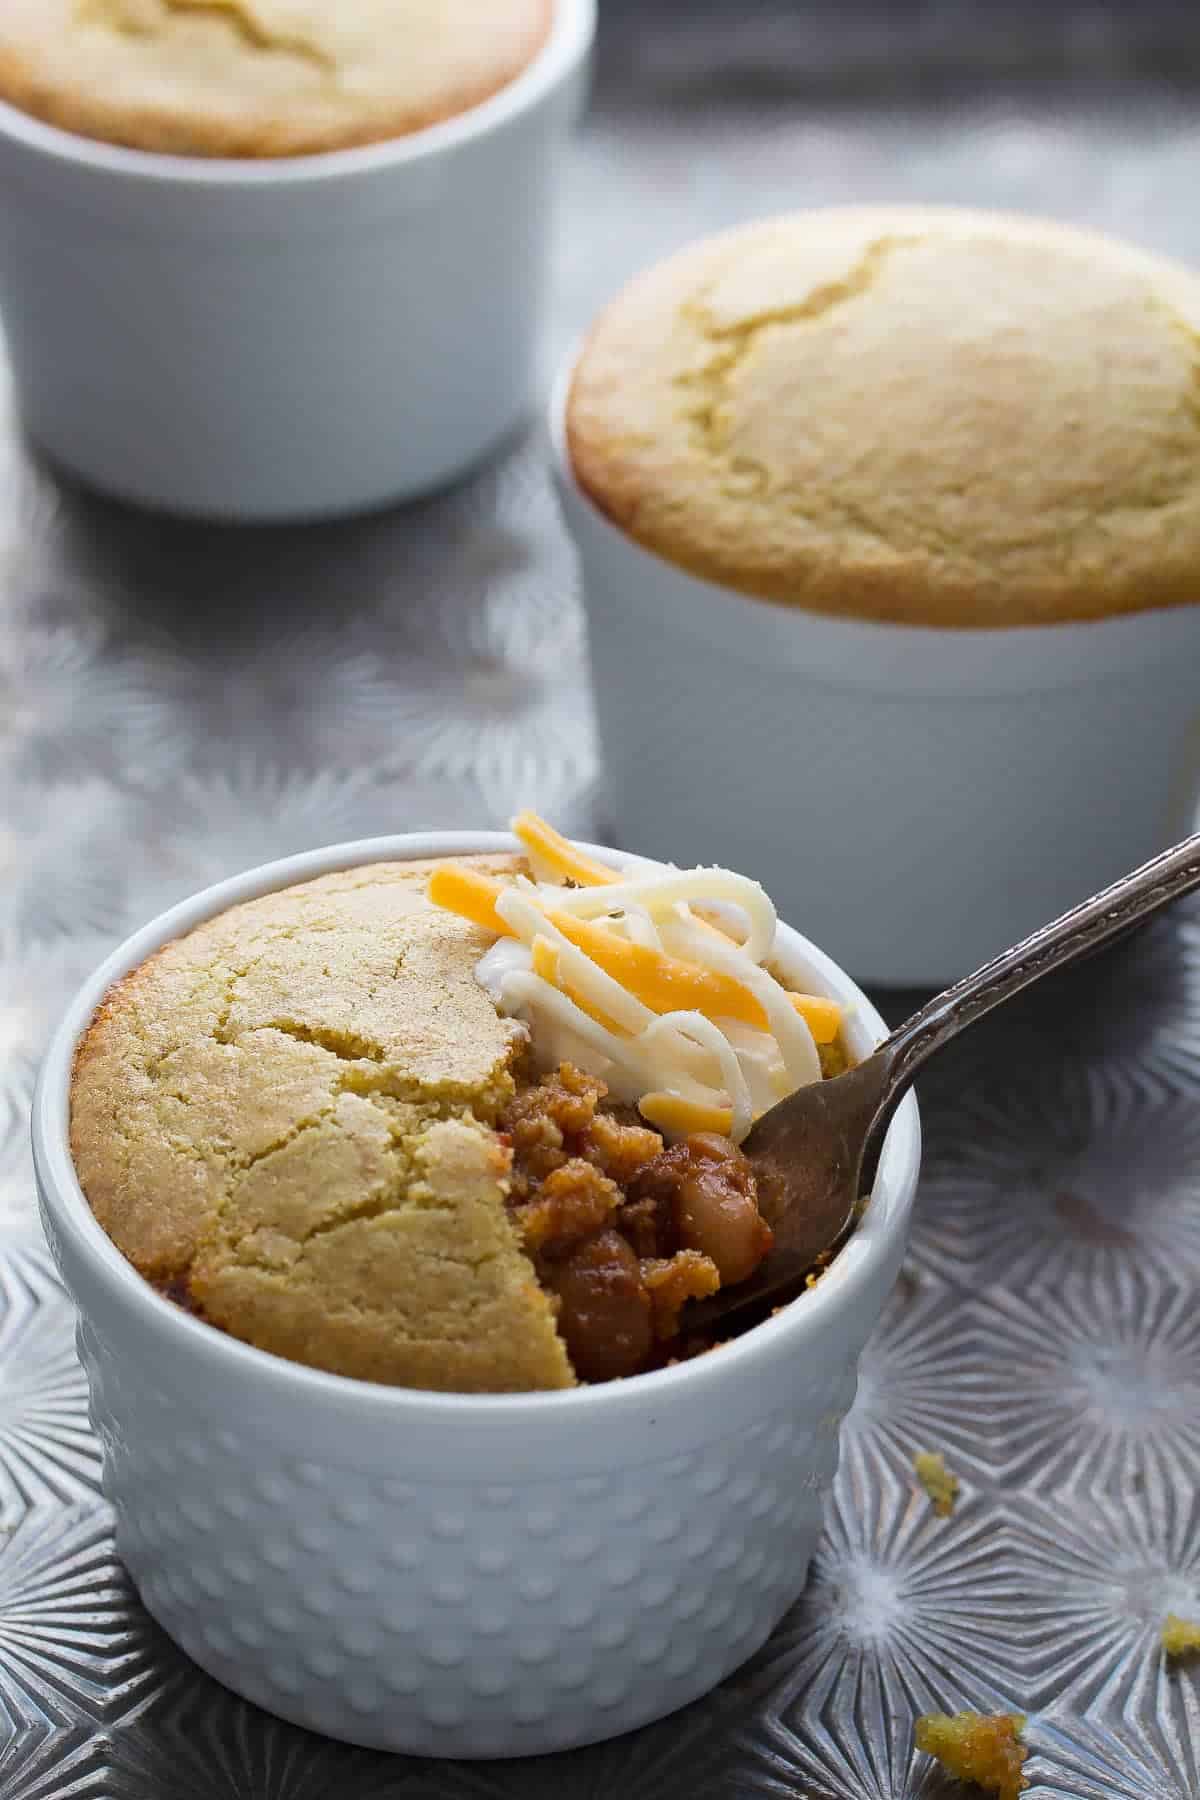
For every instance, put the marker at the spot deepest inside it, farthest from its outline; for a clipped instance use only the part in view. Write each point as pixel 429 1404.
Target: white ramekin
pixel 920 798
pixel 450 1574
pixel 290 337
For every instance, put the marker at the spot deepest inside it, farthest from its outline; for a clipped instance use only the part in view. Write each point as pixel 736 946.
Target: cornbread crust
pixel 260 78
pixel 919 416
pixel 284 1119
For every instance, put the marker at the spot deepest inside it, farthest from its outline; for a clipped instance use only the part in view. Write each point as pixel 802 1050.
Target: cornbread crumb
pixel 672 1281
pixel 921 416
pixel 1180 1636
pixel 981 1747
pixel 260 78
pixel 937 1480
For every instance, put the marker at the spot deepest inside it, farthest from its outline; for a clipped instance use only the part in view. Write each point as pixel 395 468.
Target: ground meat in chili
pixel 623 1230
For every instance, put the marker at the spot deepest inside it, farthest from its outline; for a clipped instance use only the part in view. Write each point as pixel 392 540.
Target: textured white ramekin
pixel 920 798
pixel 294 336
pixel 461 1575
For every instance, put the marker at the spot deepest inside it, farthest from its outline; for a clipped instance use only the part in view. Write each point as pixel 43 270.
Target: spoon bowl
pixel 815 1154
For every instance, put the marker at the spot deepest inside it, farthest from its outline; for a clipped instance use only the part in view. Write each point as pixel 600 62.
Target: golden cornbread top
pixel 250 78
pixel 283 1118
pixel 919 416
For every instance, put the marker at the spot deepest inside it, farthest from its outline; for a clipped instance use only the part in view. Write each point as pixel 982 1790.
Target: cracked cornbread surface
pixel 930 417
pixel 283 1119
pixel 251 78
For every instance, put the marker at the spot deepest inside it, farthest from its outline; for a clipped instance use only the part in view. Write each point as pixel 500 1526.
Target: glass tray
pixel 178 702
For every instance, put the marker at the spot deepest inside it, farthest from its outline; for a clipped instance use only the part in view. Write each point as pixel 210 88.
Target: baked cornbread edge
pixel 40 76
pixel 651 382
pixel 256 1145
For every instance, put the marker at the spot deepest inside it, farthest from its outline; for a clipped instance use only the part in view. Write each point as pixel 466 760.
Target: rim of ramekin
pixel 873 1241
pixel 1014 657
pixel 567 41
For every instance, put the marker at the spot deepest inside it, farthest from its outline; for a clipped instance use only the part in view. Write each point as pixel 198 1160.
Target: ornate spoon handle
pixel 1078 932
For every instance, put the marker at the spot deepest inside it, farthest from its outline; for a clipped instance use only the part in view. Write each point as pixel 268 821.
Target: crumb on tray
pixel 1180 1637
pixel 937 1480
pixel 985 1748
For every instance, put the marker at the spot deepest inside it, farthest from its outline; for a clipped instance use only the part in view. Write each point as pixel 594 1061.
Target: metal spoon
pixel 816 1152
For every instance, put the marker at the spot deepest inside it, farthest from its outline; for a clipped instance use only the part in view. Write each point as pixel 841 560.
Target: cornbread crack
pixel 285 1120
pixel 711 415
pixel 347 1046
pixel 143 18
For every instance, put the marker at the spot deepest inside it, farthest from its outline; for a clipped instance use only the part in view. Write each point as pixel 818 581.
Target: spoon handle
pixel 1075 934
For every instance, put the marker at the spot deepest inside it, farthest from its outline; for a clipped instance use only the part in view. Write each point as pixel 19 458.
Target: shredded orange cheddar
pixel 668 984
pixel 680 1117
pixel 545 960
pixel 545 964
pixel 822 1015
pixel 661 982
pixel 559 853
pixel 469 894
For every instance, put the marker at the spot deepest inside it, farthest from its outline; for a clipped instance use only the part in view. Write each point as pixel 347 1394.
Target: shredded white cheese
pixel 586 1016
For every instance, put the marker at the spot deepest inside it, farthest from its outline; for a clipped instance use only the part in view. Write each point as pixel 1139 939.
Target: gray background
pixel 178 702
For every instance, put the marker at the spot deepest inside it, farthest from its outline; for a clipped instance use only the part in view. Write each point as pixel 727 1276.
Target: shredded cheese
pixel 547 960
pixel 822 1015
pixel 769 1006
pixel 663 983
pixel 606 994
pixel 469 894
pixel 732 1082
pixel 621 975
pixel 659 894
pixel 556 857
pixel 677 1117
